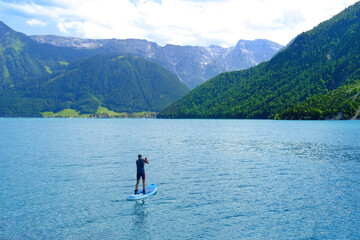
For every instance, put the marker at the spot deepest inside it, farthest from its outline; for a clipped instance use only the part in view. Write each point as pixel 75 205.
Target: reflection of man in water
pixel 140 219
pixel 140 165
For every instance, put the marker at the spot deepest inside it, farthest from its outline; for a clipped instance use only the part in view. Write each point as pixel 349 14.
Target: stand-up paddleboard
pixel 149 190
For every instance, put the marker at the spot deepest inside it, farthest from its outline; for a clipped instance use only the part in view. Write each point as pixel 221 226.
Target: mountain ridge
pixel 193 64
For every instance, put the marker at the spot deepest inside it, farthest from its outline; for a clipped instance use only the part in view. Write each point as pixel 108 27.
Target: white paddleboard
pixel 149 190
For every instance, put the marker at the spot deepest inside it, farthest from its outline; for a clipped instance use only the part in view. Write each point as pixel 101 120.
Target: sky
pixel 180 22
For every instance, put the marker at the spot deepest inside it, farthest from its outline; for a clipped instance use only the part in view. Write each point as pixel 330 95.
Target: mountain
pixel 40 77
pixel 119 83
pixel 22 59
pixel 315 63
pixel 194 65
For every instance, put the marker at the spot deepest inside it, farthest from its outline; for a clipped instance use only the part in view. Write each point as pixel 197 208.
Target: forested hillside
pixel 317 62
pixel 119 83
pixel 22 59
pixel 342 103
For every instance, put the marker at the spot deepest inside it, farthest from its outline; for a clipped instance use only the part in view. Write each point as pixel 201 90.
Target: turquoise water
pixel 217 179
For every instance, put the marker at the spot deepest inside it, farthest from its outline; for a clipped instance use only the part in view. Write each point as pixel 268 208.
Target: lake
pixel 217 179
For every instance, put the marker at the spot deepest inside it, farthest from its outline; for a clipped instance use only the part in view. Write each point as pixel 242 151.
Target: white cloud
pixel 34 22
pixel 191 22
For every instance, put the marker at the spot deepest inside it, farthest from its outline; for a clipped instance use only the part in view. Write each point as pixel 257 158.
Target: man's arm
pixel 147 161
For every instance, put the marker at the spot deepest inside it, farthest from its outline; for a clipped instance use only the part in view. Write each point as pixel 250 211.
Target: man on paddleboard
pixel 140 165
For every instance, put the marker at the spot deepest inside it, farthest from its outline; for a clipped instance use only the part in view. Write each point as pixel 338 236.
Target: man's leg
pixel 137 185
pixel 143 180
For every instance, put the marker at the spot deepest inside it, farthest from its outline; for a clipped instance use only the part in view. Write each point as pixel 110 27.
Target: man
pixel 140 165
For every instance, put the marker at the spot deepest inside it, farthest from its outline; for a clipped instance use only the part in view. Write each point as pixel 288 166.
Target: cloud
pixel 184 22
pixel 34 22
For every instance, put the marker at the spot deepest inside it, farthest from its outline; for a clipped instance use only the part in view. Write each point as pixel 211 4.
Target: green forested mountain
pixel 317 62
pixel 119 83
pixel 341 103
pixel 22 59
pixel 37 78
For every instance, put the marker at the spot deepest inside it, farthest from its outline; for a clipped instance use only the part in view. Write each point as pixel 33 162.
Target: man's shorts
pixel 138 175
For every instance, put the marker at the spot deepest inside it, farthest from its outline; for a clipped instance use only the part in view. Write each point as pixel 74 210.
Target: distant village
pixel 126 115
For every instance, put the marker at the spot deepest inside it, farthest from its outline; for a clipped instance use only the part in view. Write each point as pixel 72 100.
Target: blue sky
pixel 182 22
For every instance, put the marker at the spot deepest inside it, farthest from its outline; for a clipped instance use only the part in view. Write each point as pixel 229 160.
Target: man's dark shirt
pixel 140 164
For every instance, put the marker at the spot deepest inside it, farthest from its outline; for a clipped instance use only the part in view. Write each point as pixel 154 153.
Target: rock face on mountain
pixel 194 65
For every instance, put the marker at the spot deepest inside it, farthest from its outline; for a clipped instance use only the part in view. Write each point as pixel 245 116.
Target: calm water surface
pixel 217 179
